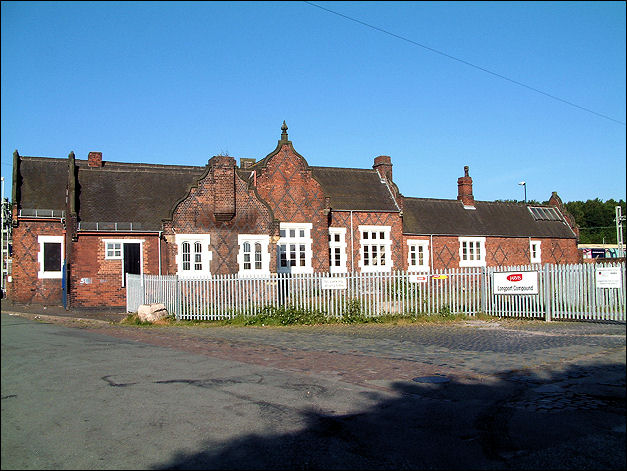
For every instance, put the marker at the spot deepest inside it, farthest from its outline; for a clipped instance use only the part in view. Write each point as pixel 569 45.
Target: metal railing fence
pixel 566 292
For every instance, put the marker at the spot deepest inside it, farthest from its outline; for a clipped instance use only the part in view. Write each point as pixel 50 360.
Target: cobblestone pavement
pixel 375 354
pixel 566 379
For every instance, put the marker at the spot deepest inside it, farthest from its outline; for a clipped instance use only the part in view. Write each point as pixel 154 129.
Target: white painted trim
pixel 297 240
pixel 40 257
pixel 425 267
pixel 387 242
pixel 335 245
pixel 205 254
pixel 252 239
pixel 538 257
pixel 481 262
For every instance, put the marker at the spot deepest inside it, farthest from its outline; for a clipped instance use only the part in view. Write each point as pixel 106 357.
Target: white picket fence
pixel 566 292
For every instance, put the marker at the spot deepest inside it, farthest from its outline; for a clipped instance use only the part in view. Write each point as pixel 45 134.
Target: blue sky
pixel 176 83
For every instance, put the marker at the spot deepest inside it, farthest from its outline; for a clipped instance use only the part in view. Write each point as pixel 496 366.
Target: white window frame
pixel 471 259
pixel 252 239
pixel 121 256
pixel 107 243
pixel 40 256
pixel 385 243
pixel 334 245
pixel 299 238
pixel 415 244
pixel 206 255
pixel 537 244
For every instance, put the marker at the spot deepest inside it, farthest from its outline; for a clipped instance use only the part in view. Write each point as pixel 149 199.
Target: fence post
pixel 143 285
pixel 484 290
pixel 127 293
pixel 547 293
pixel 177 297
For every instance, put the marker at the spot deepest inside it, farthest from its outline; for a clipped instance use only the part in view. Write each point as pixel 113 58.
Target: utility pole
pixel 2 259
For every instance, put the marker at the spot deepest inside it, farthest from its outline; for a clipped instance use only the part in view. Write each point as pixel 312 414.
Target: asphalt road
pixel 477 395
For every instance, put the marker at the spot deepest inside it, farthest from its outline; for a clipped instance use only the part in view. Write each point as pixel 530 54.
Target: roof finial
pixel 284 131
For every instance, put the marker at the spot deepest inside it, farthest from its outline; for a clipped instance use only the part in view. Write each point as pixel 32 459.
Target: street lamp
pixel 524 184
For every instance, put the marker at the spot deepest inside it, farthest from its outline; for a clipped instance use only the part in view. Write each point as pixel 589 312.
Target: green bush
pixel 282 315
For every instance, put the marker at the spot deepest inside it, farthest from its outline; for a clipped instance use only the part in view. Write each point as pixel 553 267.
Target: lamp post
pixel 524 185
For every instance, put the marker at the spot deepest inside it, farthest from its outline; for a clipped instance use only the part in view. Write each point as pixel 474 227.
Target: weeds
pixel 287 315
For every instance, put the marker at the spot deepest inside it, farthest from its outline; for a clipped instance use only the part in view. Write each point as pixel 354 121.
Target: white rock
pixel 152 312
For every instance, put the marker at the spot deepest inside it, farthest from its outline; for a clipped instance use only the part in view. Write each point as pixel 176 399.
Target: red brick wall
pixel 287 185
pixel 96 282
pixel 343 219
pixel 196 215
pixel 26 287
pixel 499 251
pixel 560 251
pixel 405 250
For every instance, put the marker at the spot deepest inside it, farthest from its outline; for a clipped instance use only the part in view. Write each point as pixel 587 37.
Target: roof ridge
pixel 29 157
pixel 455 201
pixel 343 168
pixel 109 165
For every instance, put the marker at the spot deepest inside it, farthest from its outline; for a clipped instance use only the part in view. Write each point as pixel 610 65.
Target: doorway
pixel 131 262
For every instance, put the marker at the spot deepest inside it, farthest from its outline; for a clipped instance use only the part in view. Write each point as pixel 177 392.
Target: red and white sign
pixel 418 278
pixel 521 282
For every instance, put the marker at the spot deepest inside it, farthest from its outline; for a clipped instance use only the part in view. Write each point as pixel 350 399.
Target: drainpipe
pixel 160 232
pixel 352 261
pixel 431 251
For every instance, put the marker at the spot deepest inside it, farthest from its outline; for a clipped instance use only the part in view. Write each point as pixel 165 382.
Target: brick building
pixel 80 225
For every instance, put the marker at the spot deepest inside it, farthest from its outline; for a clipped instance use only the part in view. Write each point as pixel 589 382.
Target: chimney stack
pixel 383 165
pixel 245 162
pixel 94 159
pixel 464 190
pixel 223 169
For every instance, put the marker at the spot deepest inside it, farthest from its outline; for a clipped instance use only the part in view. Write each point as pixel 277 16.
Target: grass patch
pixel 272 316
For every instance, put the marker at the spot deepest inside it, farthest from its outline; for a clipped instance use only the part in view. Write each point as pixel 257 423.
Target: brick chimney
pixel 383 165
pixel 245 162
pixel 464 190
pixel 223 169
pixel 94 159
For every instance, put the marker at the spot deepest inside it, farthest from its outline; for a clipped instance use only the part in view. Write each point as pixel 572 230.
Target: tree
pixel 596 220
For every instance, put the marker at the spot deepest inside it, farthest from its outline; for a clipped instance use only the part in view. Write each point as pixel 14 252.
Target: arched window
pixel 257 256
pixel 246 250
pixel 197 256
pixel 253 257
pixel 193 255
pixel 186 256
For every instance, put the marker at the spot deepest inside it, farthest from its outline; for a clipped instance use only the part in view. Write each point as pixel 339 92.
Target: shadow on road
pixel 572 419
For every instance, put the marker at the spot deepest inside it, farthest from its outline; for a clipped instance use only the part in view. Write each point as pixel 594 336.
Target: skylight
pixel 541 213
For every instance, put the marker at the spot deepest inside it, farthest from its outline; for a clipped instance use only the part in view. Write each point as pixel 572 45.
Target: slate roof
pixel 43 182
pixel 354 189
pixel 142 194
pixel 426 216
pixel 347 188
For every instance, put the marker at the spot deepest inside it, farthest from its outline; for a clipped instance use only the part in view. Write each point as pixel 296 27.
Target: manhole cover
pixel 431 379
